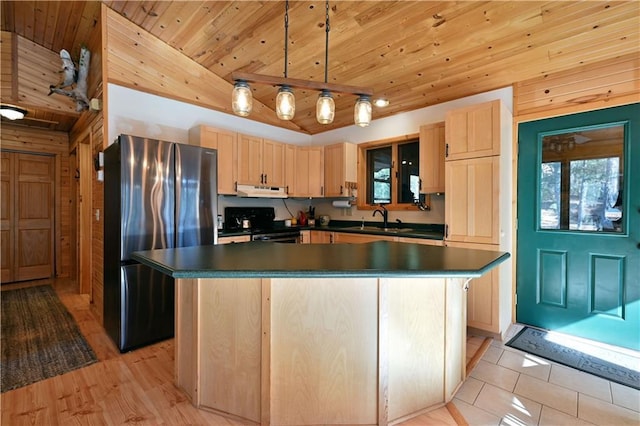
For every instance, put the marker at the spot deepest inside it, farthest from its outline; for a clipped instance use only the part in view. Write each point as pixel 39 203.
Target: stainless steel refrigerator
pixel 157 195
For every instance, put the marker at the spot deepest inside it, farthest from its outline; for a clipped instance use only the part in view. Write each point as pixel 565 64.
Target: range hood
pixel 259 191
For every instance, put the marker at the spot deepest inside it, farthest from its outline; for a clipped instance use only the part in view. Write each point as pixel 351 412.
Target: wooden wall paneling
pixel 97 228
pixel 601 85
pixel 39 67
pixel 138 60
pixel 84 222
pixel 7 66
pixel 7 228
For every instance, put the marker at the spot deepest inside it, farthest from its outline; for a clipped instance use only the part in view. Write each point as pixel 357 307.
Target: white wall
pixel 142 114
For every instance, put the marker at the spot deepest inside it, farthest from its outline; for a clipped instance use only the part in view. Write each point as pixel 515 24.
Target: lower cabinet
pixel 483 296
pixel 346 237
pixel 305 237
pixel 234 239
pixel 321 237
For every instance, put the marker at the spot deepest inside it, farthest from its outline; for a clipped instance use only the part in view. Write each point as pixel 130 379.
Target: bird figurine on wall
pixel 71 76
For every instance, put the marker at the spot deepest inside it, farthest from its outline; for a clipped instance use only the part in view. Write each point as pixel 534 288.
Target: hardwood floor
pixel 132 388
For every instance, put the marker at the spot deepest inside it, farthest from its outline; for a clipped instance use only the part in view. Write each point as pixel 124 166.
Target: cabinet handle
pixel 420 184
pixel 265 178
pixel 446 150
pixel 446 231
pixel 322 190
pixel 340 189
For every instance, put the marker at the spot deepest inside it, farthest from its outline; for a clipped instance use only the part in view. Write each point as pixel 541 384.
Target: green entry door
pixel 578 259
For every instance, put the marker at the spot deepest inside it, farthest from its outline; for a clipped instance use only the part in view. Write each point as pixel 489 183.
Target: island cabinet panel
pixel 321 237
pixel 309 351
pixel 324 342
pixel 416 373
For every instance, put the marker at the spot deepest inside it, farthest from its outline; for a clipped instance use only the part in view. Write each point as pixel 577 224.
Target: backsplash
pixel 285 208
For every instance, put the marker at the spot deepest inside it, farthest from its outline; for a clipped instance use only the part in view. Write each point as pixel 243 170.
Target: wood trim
pixel 301 84
pixel 475 359
pixel 14 67
pixel 456 414
pixel 57 222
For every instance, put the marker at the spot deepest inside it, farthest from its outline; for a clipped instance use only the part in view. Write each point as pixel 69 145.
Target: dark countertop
pixel 376 259
pixel 409 230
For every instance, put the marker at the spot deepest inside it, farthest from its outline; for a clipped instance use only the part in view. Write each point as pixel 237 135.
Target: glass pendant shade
pixel 285 103
pixel 362 111
pixel 325 108
pixel 241 99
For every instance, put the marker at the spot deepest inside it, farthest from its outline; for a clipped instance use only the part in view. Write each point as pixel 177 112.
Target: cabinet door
pixel 347 237
pixel 226 142
pixel 316 171
pixel 273 163
pixel 340 167
pixel 321 237
pixel 250 160
pixel 432 146
pixel 471 204
pixel 290 169
pixel 309 172
pixel 473 131
pixel 423 241
pixel 234 239
pixel 483 297
pixel 305 237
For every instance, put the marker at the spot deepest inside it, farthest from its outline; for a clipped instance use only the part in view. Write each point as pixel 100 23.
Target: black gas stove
pixel 260 222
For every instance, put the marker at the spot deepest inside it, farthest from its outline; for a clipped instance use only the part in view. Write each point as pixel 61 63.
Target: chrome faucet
pixel 385 215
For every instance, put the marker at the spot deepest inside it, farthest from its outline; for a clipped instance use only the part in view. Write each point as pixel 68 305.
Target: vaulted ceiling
pixel 413 53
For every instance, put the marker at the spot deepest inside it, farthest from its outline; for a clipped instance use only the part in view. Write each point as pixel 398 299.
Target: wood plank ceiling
pixel 414 53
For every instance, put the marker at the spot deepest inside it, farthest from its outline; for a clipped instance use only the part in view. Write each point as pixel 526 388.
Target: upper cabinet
pixel 432 150
pixel 260 161
pixel 340 169
pixel 290 168
pixel 473 131
pixel 309 172
pixel 225 142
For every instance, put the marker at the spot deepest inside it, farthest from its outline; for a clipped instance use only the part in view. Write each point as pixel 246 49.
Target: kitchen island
pixel 288 334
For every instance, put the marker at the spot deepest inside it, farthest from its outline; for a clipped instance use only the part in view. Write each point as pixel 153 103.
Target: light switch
pixel 101 175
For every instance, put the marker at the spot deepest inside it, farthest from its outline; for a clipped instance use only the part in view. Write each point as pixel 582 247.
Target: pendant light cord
pixel 286 37
pixel 326 44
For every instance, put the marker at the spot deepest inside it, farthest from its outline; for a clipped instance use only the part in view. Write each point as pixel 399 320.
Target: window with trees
pixel 581 180
pixel 391 173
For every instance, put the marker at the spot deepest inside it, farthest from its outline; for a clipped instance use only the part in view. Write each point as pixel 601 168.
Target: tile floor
pixel 512 388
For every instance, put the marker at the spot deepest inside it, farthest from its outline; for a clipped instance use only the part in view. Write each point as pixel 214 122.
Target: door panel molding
pixel 607 290
pixel 552 278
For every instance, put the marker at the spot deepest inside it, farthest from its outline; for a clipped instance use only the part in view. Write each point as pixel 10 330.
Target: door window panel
pixel 581 180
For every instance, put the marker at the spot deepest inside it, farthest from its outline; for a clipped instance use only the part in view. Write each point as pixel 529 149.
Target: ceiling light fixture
pixel 242 100
pixel 12 112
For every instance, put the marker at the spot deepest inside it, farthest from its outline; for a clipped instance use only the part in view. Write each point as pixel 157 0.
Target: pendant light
pixel 286 101
pixel 362 111
pixel 241 98
pixel 326 107
pixel 12 112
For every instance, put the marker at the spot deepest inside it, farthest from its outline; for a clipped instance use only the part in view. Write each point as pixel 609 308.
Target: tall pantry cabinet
pixel 478 207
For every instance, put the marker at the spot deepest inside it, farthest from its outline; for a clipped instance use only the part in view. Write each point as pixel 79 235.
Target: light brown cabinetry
pixel 483 296
pixel 474 131
pixel 321 237
pixel 305 237
pixel 260 161
pixel 225 142
pixel 289 168
pixel 309 165
pixel 340 169
pixel 347 237
pixel 471 203
pixel 478 207
pixel 234 239
pixel 432 151
pixel 423 241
